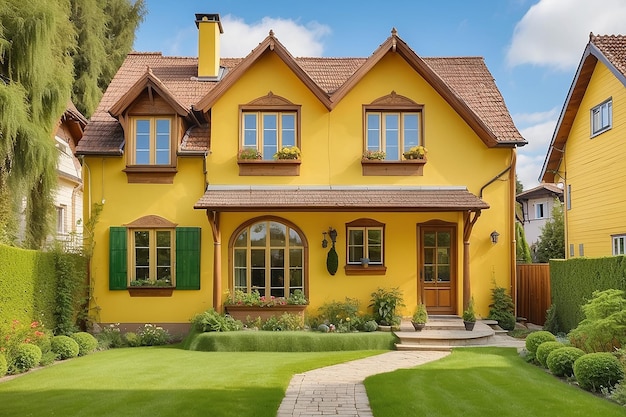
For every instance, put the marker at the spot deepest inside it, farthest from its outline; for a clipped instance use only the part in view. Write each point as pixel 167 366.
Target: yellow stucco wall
pixel 332 144
pixel 593 167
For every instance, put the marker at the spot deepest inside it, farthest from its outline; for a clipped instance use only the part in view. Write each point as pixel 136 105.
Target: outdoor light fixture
pixel 494 237
pixel 332 234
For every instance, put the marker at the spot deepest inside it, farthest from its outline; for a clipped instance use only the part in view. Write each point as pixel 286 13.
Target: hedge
pixel 573 281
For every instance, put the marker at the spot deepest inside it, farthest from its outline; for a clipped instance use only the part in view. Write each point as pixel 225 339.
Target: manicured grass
pixel 252 341
pixel 481 382
pixel 162 381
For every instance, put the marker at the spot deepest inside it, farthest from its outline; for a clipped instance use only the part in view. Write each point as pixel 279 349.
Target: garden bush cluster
pixel 593 355
pixel 24 346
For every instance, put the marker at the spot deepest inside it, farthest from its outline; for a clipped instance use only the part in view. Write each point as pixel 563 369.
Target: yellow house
pixel 167 154
pixel 586 152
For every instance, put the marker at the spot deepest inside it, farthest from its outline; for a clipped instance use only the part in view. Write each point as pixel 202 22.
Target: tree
pixel 522 249
pixel 519 187
pixel 551 243
pixel 41 52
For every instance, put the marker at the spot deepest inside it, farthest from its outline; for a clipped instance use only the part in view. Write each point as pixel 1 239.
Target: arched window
pixel 268 256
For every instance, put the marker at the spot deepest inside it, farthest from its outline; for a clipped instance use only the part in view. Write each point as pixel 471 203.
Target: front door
pixel 438 268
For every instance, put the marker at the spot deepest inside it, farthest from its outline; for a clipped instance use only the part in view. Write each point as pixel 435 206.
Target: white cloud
pixel 528 169
pixel 240 38
pixel 554 33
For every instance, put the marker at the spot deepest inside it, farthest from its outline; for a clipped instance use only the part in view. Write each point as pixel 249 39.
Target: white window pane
pixel 373 132
pixel 270 136
pixel 392 136
pixel 249 130
pixel 411 135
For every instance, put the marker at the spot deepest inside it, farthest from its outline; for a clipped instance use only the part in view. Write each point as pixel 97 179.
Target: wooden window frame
pixel 132 262
pixel 382 130
pixel 268 247
pixel 151 173
pixel 356 268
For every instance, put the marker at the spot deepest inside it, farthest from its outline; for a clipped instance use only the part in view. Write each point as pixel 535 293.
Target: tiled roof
pixel 609 50
pixel 614 49
pixel 545 189
pixel 236 198
pixel 467 78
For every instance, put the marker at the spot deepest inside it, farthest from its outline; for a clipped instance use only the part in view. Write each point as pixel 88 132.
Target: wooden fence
pixel 533 292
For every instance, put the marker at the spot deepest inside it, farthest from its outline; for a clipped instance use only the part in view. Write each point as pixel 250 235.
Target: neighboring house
pixel 68 198
pixel 536 209
pixel 587 148
pixel 161 152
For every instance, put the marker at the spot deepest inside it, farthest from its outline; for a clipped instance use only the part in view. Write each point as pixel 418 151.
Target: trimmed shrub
pixel 48 358
pixel 26 357
pixel 65 347
pixel 502 308
pixel 535 339
pixel 544 350
pixel 595 371
pixel 86 343
pixel 4 367
pixel 561 361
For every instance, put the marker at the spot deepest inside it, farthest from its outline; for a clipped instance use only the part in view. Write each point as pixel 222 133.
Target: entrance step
pixel 444 334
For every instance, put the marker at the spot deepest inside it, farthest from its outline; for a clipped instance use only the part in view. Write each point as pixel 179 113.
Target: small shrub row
pixel 111 337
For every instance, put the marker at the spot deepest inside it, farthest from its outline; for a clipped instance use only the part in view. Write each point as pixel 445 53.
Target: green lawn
pixel 481 382
pixel 162 381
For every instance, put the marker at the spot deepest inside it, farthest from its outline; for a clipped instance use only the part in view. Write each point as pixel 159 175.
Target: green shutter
pixel 117 258
pixel 187 258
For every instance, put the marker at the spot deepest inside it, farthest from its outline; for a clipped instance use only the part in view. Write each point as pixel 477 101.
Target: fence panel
pixel 533 292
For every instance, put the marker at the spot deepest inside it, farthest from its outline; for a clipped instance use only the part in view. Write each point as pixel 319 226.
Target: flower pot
pixel 418 326
pixel 469 325
pixel 242 312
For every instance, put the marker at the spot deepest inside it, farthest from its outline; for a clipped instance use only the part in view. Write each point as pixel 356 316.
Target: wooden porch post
pixel 468 225
pixel 214 221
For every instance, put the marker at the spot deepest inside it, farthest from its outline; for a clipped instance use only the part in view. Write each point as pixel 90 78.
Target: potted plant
pixel 420 317
pixel 384 303
pixel 416 152
pixel 288 152
pixel 469 316
pixel 365 262
pixel 240 304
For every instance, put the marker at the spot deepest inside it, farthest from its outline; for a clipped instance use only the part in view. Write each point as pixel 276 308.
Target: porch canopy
pixel 338 198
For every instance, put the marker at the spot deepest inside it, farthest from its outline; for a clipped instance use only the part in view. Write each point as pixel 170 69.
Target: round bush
pixel 534 339
pixel 86 343
pixel 594 371
pixel 3 365
pixel 370 326
pixel 27 356
pixel 544 350
pixel 65 347
pixel 561 361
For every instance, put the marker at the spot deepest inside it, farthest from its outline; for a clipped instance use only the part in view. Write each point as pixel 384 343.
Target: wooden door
pixel 437 263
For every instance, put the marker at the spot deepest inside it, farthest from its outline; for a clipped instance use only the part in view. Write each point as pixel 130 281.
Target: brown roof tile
pixel 468 78
pixel 614 49
pixel 236 198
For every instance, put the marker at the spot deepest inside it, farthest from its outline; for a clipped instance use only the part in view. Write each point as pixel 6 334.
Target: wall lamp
pixel 332 234
pixel 494 237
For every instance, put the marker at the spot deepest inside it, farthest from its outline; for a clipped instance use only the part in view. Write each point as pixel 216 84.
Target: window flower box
pixel 241 312
pixel 138 291
pixel 408 167
pixel 277 167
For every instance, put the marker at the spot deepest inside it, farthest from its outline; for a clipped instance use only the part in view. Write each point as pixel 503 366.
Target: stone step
pixel 443 334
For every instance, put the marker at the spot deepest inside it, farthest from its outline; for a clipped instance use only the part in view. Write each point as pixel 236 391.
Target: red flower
pixel 34 324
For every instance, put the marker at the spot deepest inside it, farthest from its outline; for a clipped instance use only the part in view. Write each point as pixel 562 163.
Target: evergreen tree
pixel 522 249
pixel 551 243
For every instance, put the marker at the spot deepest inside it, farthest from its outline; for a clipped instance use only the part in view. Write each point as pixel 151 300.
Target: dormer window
pixel 152 141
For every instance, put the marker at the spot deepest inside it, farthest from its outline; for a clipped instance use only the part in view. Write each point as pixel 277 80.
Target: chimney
pixel 209 30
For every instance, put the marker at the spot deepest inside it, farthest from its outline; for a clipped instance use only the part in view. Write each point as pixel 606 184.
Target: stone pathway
pixel 338 390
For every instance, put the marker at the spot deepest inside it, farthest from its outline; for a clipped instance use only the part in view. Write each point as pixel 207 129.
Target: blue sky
pixel 532 47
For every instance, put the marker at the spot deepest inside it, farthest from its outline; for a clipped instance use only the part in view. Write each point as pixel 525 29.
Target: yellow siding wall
pixel 595 170
pixel 332 144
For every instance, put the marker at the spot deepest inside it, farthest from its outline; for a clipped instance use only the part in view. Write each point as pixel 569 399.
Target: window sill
pixel 393 168
pixel 358 269
pixel 150 174
pixel 278 167
pixel 150 291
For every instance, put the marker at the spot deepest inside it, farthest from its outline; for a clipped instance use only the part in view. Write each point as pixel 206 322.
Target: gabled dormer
pixel 153 121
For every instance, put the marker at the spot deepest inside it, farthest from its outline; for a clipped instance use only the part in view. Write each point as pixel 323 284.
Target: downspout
pixel 214 221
